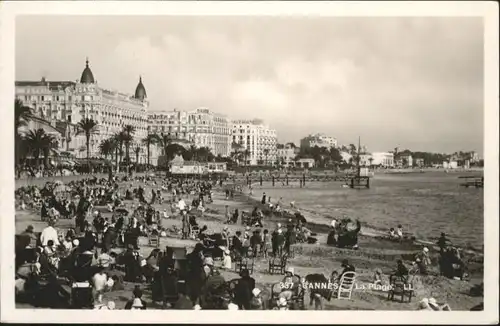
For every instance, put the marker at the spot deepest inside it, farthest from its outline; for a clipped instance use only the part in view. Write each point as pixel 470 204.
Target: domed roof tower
pixel 87 76
pixel 140 90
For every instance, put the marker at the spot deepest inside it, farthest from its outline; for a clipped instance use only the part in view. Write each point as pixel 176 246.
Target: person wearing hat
pixel 278 241
pixel 236 244
pixel 208 266
pixel 423 260
pixel 49 233
pixel 256 242
pixel 99 281
pixel 243 290
pixel 226 260
pixel 246 244
pixel 291 284
pixel 27 238
pixel 225 236
pixel 346 268
pixel 400 272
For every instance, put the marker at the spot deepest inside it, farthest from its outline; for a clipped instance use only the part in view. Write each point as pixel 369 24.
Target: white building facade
pixel 384 159
pixel 258 138
pixel 319 140
pixel 200 127
pixel 65 103
pixel 286 155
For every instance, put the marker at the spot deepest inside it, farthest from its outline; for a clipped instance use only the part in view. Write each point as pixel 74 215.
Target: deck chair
pixel 244 263
pixel 277 265
pixel 345 285
pixel 154 241
pixel 400 286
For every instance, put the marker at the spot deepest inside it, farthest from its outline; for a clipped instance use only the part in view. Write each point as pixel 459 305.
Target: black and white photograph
pixel 223 157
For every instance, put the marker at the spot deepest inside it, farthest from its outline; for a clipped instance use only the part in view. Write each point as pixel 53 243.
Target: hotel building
pixel 258 139
pixel 65 103
pixel 319 140
pixel 200 127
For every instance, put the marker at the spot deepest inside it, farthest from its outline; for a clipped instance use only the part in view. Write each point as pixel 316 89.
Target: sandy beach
pixel 320 258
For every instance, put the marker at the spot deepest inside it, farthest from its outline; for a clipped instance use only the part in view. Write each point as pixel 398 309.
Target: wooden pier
pixel 472 181
pixel 358 181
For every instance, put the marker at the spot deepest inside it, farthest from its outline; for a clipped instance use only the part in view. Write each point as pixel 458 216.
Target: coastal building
pixel 365 159
pixel 384 159
pixel 474 157
pixel 305 163
pixel 319 140
pixel 450 164
pixel 179 166
pixel 65 103
pixel 286 154
pixel 258 138
pixel 420 162
pixel 200 128
pixel 404 160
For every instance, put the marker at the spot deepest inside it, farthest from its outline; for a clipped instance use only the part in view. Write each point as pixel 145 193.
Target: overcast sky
pixel 415 83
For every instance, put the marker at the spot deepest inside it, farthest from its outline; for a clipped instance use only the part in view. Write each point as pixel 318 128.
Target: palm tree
pixel 246 154
pixel 150 139
pixel 165 140
pixel 87 126
pixel 236 151
pixel 129 132
pixel 38 142
pixel 137 151
pixel 22 114
pixel 107 147
pixel 118 140
pixel 266 153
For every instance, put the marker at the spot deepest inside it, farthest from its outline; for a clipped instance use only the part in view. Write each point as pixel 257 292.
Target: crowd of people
pixel 101 253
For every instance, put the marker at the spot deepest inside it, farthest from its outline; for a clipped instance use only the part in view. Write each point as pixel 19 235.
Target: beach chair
pixel 154 241
pixel 345 285
pixel 400 286
pixel 244 263
pixel 277 265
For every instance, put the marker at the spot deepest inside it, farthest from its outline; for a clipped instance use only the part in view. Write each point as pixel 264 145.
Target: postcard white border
pixel 487 10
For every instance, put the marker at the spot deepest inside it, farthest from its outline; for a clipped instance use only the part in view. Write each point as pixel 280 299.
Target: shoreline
pixel 317 258
pixel 319 219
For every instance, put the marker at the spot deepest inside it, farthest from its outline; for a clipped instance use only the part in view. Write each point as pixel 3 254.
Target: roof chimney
pixel 43 79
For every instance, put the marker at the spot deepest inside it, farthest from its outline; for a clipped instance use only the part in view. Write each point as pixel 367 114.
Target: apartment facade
pixel 258 138
pixel 319 140
pixel 65 103
pixel 200 128
pixel 286 154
